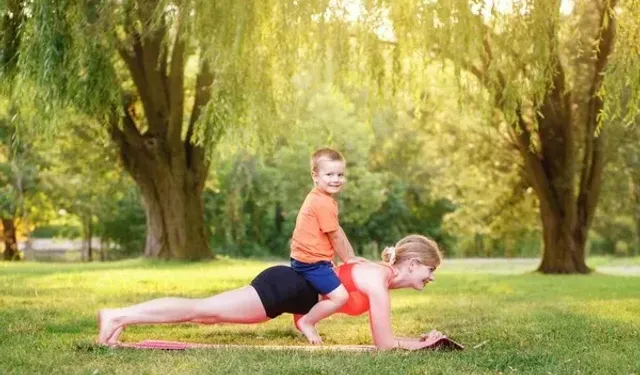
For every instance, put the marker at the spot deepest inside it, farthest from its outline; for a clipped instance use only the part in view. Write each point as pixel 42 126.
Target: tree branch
pixel 149 59
pixel 128 138
pixel 204 81
pixel 12 19
pixel 136 70
pixel 129 132
pixel 196 154
pixel 163 60
pixel 556 134
pixel 176 87
pixel 593 160
pixel 535 170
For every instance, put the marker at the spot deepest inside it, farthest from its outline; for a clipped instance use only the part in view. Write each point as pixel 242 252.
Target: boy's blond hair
pixel 323 154
pixel 416 247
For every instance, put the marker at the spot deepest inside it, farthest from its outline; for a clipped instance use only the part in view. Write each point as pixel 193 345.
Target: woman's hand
pixel 430 338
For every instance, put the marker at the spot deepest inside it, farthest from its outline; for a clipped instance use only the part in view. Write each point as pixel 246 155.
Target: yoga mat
pixel 444 343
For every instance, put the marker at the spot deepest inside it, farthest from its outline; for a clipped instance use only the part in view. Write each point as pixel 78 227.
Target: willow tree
pixel 12 174
pixel 539 66
pixel 166 78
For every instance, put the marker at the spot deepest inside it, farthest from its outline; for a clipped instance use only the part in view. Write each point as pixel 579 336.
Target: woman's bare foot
pixel 309 330
pixel 115 338
pixel 107 326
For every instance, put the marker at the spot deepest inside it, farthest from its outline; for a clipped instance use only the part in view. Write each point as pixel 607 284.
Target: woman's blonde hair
pixel 416 247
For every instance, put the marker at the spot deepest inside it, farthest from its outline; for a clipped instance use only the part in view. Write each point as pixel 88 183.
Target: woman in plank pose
pixel 411 263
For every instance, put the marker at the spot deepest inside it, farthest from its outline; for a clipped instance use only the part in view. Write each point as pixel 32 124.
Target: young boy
pixel 317 237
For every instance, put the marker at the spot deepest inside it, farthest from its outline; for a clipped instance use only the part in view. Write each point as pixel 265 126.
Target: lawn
pixel 521 322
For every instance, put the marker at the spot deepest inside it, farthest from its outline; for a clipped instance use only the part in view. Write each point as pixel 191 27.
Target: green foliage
pixel 525 62
pixel 623 73
pixel 389 83
pixel 64 57
pixel 86 183
pixel 121 226
pixel 19 164
pixel 617 221
pixel 241 211
pixel 402 212
pixel 255 197
pixel 73 52
pixel 56 231
pixel 259 194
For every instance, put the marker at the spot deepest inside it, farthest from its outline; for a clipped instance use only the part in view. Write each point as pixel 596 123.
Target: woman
pixel 276 290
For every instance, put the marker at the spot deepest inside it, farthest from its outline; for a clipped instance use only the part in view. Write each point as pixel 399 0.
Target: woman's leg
pixel 236 306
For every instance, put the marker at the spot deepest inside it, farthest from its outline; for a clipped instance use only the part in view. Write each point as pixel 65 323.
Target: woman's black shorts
pixel 283 290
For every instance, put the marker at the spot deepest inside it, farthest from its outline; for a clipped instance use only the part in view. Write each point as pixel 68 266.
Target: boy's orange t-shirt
pixel 317 217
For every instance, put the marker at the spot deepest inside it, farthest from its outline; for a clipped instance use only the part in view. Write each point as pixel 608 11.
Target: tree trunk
pixel 102 245
pixel 551 169
pixel 172 194
pixel 635 250
pixel 12 19
pixel 88 235
pixel 175 219
pixel 479 241
pixel 565 214
pixel 552 163
pixel 10 242
pixel 158 149
pixel 171 183
pixel 562 253
pixel 278 218
pixel 171 176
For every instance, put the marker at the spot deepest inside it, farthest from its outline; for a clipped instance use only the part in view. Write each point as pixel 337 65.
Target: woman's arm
pixel 373 282
pixel 380 314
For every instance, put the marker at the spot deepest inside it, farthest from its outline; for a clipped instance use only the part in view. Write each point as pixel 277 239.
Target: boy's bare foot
pixel 309 330
pixel 107 326
pixel 297 317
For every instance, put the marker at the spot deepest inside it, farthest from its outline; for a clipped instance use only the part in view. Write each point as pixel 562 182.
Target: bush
pixel 56 231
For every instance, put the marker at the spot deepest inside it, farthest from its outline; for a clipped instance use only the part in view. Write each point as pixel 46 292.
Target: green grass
pixel 530 324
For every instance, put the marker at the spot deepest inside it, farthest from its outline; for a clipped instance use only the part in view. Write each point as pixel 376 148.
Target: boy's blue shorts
pixel 320 275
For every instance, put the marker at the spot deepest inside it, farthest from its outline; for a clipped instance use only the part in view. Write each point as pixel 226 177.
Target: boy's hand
pixel 356 260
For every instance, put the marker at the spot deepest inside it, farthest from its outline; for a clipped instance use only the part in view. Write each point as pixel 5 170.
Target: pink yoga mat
pixel 444 343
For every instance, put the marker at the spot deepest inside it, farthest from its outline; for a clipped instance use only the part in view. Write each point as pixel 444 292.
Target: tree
pixel 618 218
pixel 11 176
pixel 88 182
pixel 10 197
pixel 18 176
pixel 259 192
pixel 538 65
pixel 166 78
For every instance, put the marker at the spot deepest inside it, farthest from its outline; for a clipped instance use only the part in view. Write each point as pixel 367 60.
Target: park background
pixel 149 147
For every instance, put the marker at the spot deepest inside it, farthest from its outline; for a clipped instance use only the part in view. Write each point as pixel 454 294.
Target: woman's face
pixel 421 274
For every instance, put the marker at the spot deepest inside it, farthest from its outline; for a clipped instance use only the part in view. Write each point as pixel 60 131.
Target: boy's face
pixel 330 176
